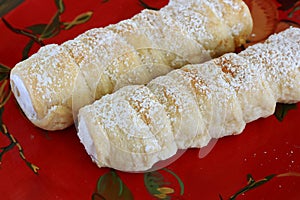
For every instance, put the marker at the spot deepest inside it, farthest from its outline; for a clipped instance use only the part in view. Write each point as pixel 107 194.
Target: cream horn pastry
pixel 56 81
pixel 140 125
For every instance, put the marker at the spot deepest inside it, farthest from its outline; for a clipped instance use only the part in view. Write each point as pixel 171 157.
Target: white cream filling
pixel 86 139
pixel 23 97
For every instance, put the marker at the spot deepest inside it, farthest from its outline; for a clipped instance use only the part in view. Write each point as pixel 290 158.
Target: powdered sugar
pixel 220 96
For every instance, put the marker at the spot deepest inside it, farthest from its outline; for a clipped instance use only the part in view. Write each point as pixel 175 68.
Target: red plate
pixel 261 163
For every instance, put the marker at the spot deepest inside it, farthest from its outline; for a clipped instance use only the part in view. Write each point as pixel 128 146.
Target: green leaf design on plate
pixel 53 28
pixel 145 5
pixel 4 72
pixel 60 5
pixel 37 29
pixel 158 187
pixel 4 96
pixel 252 183
pixel 282 110
pixel 153 181
pixel 295 9
pixel 22 32
pixel 37 33
pixel 80 19
pixel 7 5
pixel 26 50
pixel 286 5
pixel 110 186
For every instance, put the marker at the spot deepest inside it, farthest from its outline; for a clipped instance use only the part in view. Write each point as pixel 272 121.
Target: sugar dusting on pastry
pixel 228 92
pixel 133 51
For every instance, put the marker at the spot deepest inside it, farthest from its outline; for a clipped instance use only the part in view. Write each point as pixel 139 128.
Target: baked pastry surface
pixel 54 83
pixel 140 125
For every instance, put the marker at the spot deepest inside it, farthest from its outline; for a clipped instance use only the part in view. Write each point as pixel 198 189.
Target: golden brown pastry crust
pixel 195 103
pixel 59 79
